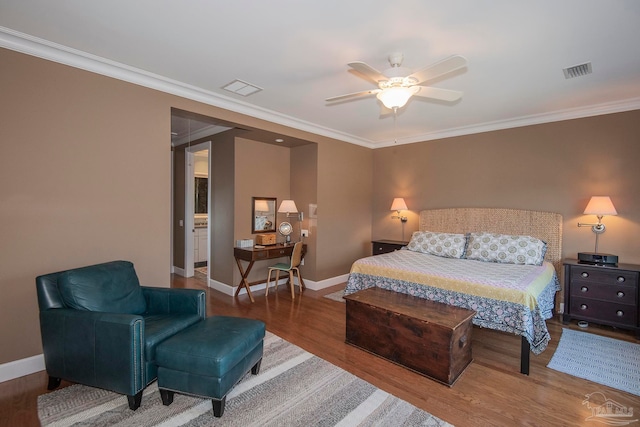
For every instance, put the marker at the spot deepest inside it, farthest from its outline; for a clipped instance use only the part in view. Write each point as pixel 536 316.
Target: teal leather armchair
pixel 100 328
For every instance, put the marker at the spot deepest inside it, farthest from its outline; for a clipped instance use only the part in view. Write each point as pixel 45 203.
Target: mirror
pixel 263 215
pixel 201 193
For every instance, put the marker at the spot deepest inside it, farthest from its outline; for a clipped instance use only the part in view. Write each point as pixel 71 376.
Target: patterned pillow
pixel 446 245
pixel 506 249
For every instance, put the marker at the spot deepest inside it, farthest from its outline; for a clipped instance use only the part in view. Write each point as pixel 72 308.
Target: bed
pixel 506 295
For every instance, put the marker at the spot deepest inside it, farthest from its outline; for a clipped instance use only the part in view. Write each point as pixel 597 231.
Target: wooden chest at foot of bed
pixel 430 338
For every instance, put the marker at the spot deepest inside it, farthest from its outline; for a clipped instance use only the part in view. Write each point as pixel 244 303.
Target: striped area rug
pixel 294 388
pixel 336 296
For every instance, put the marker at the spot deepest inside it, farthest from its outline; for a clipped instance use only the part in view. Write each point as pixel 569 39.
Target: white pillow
pixel 446 245
pixel 506 249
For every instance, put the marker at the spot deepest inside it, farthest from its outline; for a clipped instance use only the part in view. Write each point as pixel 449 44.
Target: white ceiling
pixel 297 52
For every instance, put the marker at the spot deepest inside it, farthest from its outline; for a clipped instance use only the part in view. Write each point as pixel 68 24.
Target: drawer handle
pixel 585 274
pixel 583 306
pixel 621 279
pixel 584 289
pixel 620 294
pixel 620 313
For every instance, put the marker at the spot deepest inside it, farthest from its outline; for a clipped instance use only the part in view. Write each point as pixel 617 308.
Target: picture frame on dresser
pixel 602 294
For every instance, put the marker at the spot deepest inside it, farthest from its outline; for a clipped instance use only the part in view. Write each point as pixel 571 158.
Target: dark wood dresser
pixel 602 294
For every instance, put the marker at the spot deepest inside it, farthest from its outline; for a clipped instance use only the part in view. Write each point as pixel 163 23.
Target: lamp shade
pixel 600 205
pixel 262 206
pixel 396 97
pixel 287 206
pixel 398 204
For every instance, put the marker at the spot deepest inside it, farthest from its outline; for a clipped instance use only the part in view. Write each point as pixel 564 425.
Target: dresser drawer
pixel 604 311
pixel 612 293
pixel 385 246
pixel 580 274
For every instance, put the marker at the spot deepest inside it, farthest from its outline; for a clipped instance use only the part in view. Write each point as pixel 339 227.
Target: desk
pixel 252 255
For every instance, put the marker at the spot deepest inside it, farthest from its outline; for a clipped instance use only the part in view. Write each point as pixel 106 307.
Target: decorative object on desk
pixel 603 360
pixel 599 206
pixel 263 214
pixel 266 239
pixel 289 208
pixel 244 243
pixel 285 229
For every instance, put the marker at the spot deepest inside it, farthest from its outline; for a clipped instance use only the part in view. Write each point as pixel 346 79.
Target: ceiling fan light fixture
pixel 396 97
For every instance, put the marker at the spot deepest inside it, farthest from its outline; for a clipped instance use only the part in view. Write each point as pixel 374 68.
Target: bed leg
pixel 525 349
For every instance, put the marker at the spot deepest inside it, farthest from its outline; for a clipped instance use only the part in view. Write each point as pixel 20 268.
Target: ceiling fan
pixel 397 84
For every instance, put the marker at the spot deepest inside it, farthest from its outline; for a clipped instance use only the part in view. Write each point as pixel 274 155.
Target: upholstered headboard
pixel 546 226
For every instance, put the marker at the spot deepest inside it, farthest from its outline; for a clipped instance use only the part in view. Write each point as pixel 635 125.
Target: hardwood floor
pixel 491 392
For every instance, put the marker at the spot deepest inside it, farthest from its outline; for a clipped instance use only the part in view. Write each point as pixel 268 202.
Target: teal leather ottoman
pixel 209 358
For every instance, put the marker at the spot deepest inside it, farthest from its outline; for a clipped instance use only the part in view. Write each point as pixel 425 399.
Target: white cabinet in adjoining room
pixel 200 245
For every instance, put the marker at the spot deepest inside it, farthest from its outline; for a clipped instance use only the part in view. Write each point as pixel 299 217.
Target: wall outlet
pixel 561 310
pixel 305 233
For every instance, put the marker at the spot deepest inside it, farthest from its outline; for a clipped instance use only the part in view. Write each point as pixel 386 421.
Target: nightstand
pixel 386 246
pixel 602 294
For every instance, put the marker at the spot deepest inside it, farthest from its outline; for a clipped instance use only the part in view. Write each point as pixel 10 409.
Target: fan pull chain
pixel 395 125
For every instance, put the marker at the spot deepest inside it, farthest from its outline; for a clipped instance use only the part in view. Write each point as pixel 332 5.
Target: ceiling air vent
pixel 241 88
pixel 577 70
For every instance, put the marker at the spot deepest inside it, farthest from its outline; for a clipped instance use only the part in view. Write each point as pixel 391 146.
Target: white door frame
pixel 189 208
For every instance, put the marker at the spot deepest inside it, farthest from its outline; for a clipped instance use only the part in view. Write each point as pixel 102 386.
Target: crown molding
pixel 34 46
pixel 536 119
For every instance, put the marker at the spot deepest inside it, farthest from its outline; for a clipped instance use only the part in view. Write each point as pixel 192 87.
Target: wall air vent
pixel 577 70
pixel 241 88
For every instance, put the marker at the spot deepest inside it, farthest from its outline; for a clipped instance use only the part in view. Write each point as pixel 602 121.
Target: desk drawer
pixel 279 252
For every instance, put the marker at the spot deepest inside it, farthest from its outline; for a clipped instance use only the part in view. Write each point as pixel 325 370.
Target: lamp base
pixel 595 258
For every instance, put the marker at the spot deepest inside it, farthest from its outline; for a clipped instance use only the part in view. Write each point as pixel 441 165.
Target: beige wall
pixel 344 207
pixel 550 167
pixel 304 191
pixel 85 177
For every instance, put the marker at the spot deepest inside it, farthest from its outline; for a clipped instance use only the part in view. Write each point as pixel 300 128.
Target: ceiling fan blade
pixel 352 95
pixel 438 93
pixel 368 71
pixel 447 65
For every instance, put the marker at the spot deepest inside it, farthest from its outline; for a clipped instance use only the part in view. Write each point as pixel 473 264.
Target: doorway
pixel 197 257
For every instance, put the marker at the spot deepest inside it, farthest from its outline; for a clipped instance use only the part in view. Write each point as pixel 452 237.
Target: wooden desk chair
pixel 296 257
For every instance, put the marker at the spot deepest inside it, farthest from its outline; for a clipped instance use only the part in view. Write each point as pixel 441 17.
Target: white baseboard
pixel 310 284
pixel 20 368
pixel 326 283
